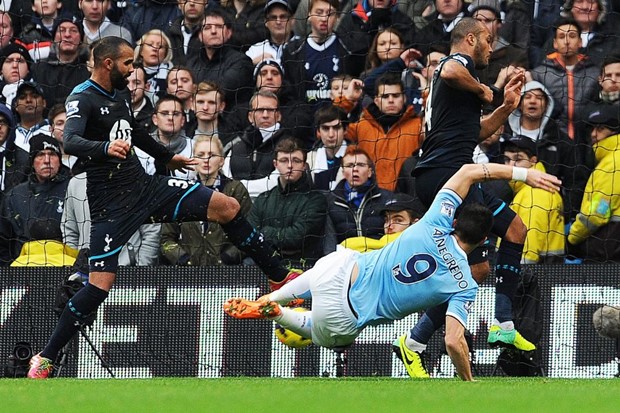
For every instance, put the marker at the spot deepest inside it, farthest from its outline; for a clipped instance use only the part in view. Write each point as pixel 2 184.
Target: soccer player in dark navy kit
pixel 101 131
pixel 453 129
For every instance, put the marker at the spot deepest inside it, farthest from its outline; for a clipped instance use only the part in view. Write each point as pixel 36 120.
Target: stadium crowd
pixel 311 114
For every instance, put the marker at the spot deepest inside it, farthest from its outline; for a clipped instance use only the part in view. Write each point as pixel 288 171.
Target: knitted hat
pixel 41 142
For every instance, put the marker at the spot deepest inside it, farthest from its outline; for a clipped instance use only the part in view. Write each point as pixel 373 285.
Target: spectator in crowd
pixel 41 198
pixel 249 156
pixel 14 161
pixel 97 25
pixel 399 213
pixel 358 28
pixel 185 30
pixel 441 22
pixel 20 12
pixel 29 105
pixel 220 62
pixel 559 155
pixel 609 80
pixel 599 29
pixel 387 45
pixel 296 115
pixel 292 215
pixel 354 205
pixel 154 53
pixel 388 130
pixel 211 118
pixel 325 160
pixel 540 211
pixel 46 248
pixel 278 23
pixel 146 15
pixel 141 249
pixel 396 60
pixel 504 53
pixel 571 98
pixel 141 106
pixel 594 234
pixel 57 116
pixel 37 35
pixel 205 243
pixel 310 63
pixel 168 119
pixel 247 22
pixel 66 66
pixel 182 84
pixel 6 29
pixel 16 62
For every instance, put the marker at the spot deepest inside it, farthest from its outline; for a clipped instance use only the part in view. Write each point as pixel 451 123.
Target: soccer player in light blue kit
pixel 426 266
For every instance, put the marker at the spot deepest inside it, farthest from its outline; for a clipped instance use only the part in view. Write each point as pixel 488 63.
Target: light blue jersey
pixel 424 267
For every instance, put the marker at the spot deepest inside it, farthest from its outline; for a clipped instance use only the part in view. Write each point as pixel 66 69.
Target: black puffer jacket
pixel 346 221
pixel 27 202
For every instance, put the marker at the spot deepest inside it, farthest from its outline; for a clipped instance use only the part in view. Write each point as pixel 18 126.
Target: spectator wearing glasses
pixel 354 206
pixel 169 120
pixel 292 215
pixel 249 156
pixel 205 243
pixel 184 31
pixel 279 24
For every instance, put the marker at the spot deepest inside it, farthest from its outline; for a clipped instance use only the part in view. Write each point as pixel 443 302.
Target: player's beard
pixel 119 81
pixel 480 60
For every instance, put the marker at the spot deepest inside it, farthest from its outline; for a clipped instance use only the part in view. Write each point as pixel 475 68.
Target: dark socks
pixel 251 241
pixel 79 308
pixel 431 321
pixel 507 274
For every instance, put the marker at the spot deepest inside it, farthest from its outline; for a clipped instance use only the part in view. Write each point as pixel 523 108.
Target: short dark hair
pixel 473 223
pixel 329 113
pixel 108 47
pixel 389 78
pixel 565 21
pixel 138 66
pixel 179 68
pixel 288 144
pixel 168 98
pixel 334 3
pixel 217 12
pixel 464 27
pixel 609 60
pixel 56 110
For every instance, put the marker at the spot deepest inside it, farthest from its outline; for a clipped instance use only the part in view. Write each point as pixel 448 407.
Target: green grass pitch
pixel 350 395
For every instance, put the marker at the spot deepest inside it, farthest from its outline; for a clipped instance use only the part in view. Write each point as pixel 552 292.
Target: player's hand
pixel 119 148
pixel 410 57
pixel 485 94
pixel 538 179
pixel 182 163
pixel 512 90
pixel 354 91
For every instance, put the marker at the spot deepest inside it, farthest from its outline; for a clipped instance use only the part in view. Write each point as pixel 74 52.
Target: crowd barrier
pixel 168 321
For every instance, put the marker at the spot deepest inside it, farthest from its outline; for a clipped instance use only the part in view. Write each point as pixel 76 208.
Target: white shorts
pixel 333 321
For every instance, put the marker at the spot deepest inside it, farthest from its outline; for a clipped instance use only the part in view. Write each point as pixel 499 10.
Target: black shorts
pixel 429 181
pixel 156 198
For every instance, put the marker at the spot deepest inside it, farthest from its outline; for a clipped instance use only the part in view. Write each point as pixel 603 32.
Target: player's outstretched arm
pixel 457 348
pixel 181 162
pixel 473 173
